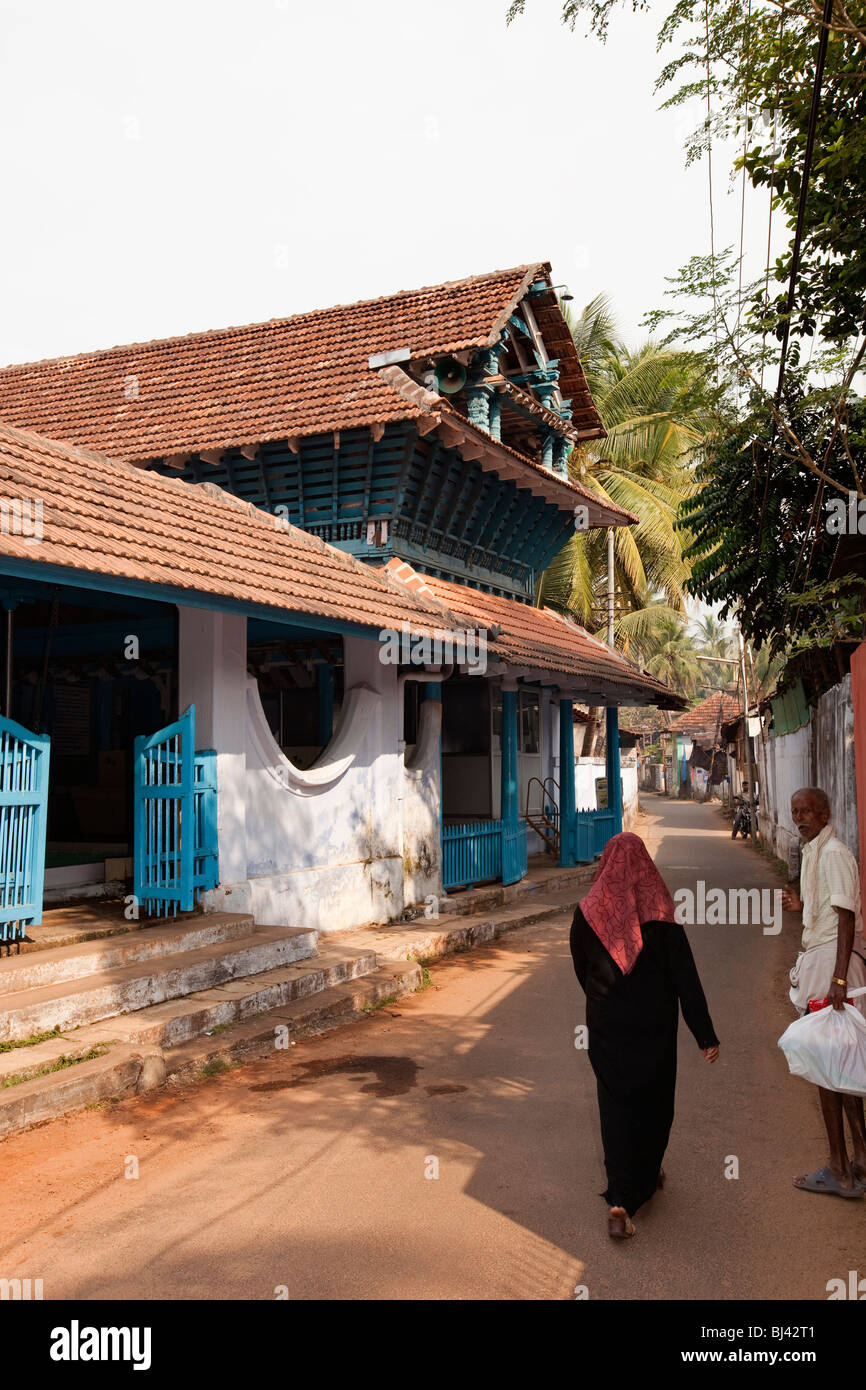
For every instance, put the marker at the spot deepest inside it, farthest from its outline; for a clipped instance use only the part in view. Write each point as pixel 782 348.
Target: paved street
pixel 306 1169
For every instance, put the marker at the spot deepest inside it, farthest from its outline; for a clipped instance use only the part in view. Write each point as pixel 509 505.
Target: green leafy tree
pixel 758 524
pixel 671 656
pixel 751 64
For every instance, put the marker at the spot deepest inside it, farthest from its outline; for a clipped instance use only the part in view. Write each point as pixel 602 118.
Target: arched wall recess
pixel 359 705
pixel 427 747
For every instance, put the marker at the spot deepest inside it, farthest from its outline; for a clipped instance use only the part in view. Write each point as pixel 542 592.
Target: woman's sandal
pixel 619 1224
pixel 660 1180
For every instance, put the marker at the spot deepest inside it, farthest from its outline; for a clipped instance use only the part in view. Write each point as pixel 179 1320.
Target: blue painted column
pixel 513 829
pixel 508 810
pixel 325 686
pixel 614 783
pixel 567 797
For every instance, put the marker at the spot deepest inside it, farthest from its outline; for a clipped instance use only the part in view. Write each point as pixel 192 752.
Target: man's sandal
pixel 822 1180
pixel 619 1224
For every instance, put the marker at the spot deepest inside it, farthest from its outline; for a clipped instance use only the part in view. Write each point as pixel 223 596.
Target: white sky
pixel 177 166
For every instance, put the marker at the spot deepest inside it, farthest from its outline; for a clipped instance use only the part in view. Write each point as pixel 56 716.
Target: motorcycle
pixel 742 818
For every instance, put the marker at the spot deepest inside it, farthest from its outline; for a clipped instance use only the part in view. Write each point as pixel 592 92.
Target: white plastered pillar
pixel 212 674
pixel 384 761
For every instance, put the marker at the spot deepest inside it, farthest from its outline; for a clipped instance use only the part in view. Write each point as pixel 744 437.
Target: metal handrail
pixel 544 793
pixel 541 822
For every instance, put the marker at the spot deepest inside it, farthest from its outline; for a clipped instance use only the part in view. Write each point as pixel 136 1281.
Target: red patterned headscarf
pixel 628 890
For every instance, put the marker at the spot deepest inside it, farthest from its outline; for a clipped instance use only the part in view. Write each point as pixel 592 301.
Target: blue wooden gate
pixel 23 806
pixel 175 818
pixel 481 851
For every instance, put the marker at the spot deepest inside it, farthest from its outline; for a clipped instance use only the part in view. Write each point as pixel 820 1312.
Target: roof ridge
pixel 197 335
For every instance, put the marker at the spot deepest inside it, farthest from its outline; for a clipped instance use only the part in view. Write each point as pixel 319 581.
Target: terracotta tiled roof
pixel 703 718
pixel 109 518
pixel 308 374
pixel 538 638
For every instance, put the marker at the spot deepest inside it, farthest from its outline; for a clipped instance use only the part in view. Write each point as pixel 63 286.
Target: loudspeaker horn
pixel 450 376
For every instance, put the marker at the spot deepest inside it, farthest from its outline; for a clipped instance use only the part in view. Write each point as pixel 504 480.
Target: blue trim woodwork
pixel 442 510
pixel 96 639
pixel 558 535
pixel 567 797
pixel 612 767
pixel 513 829
pixel 139 589
pixel 509 755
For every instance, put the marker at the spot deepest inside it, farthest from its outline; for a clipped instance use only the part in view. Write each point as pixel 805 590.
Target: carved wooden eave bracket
pixel 434 414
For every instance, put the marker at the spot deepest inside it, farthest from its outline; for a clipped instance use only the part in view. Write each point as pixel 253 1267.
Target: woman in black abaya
pixel 635 966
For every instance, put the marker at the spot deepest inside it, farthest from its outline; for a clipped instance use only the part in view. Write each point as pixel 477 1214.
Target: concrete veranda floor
pixel 307 1169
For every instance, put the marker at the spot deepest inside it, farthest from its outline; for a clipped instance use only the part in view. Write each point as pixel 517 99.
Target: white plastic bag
pixel 829 1048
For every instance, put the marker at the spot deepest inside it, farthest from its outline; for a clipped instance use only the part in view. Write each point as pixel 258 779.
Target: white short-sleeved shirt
pixel 829 878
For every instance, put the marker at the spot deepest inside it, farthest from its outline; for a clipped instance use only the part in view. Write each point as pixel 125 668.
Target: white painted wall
pixel 833 739
pixel 422 859
pixel 354 838
pixel 323 848
pixel 791 760
pixel 821 754
pixel 589 771
pixel 212 675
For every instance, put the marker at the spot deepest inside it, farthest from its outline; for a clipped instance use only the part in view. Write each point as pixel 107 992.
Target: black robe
pixel 632 1023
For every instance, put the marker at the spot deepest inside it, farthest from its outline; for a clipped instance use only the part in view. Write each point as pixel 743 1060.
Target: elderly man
pixel 832 961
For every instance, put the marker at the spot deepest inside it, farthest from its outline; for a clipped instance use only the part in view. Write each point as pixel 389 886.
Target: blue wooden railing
pixel 514 853
pixel 481 851
pixel 175 818
pixel 592 830
pixel 23 801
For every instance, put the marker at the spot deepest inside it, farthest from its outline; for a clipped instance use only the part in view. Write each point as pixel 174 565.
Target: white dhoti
pixel 812 975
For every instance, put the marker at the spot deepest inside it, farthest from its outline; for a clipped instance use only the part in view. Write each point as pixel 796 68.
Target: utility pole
pixel 749 766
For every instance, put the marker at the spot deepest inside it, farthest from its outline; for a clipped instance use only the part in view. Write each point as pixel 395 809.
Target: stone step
pixel 494 896
pixel 130 1068
pixel 95 957
pixel 427 939
pixel 178 1020
pixel 236 1017
pixel 120 1072
pixel 127 988
pixel 330 1008
pixel 26 1062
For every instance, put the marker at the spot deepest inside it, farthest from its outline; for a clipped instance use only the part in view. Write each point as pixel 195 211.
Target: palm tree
pixel 674 658
pixel 763 671
pixel 716 641
pixel 652 406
